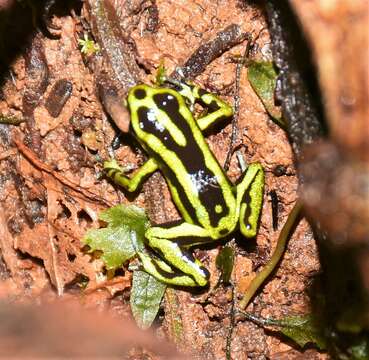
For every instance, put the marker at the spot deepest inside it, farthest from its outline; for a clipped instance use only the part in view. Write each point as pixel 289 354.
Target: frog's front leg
pixel 217 109
pixel 172 244
pixel 250 199
pixel 115 172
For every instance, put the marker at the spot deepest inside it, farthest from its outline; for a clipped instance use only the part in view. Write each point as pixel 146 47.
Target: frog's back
pixel 167 130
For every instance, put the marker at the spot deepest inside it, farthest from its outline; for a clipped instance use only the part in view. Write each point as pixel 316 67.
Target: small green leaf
pixel 146 295
pixel 225 262
pixel 123 236
pixel 262 77
pixel 360 350
pixel 88 46
pixel 160 74
pixel 302 330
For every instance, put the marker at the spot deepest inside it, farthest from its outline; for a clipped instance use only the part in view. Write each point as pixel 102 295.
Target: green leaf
pixel 146 295
pixel 123 236
pixel 120 241
pixel 225 262
pixel 262 77
pixel 160 74
pixel 88 46
pixel 302 329
pixel 360 350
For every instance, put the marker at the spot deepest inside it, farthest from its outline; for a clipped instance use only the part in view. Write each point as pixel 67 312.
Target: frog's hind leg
pixel 166 273
pixel 250 199
pixel 172 244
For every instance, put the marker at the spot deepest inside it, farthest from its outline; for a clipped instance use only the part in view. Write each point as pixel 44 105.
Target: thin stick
pixel 33 158
pixel 256 283
pixel 236 113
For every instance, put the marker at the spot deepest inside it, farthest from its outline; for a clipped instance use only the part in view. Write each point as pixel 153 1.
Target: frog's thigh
pixel 170 243
pixel 164 272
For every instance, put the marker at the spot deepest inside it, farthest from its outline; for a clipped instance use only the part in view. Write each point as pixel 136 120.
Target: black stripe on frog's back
pixel 191 155
pixel 151 128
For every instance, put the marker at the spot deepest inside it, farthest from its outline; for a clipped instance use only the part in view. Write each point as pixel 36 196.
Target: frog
pixel 210 205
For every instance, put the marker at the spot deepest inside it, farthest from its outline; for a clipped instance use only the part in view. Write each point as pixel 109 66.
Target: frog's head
pixel 158 100
pixel 158 112
pixel 145 95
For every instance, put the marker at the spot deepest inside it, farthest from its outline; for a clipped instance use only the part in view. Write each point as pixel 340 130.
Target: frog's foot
pixel 112 164
pixel 115 172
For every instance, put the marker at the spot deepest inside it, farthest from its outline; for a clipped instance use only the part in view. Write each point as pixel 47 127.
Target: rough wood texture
pixel 338 34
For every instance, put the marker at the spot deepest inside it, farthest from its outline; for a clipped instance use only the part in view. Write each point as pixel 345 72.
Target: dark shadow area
pixel 339 300
pixel 21 21
pixel 297 89
pixel 16 32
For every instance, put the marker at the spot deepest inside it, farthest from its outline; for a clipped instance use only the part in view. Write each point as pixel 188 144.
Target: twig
pixel 231 326
pixel 195 65
pixel 32 157
pixel 285 234
pixel 236 113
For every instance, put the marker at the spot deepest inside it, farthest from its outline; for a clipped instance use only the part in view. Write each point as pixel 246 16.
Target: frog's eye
pixel 140 94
